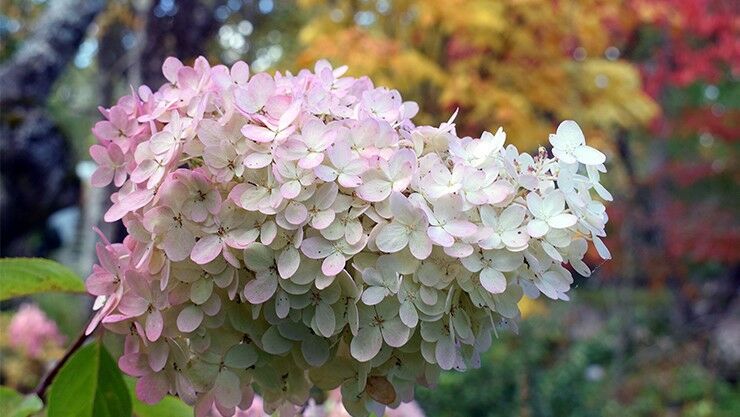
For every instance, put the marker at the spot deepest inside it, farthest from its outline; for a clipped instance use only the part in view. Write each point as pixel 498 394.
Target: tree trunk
pixel 36 165
pixel 183 33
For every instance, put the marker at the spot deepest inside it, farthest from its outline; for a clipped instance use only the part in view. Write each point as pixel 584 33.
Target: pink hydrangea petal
pixel 151 388
pixel 154 325
pixel 178 244
pixel 240 72
pixel 290 189
pixel 374 190
pixel 189 319
pixel 296 213
pixel 258 133
pixel 134 364
pixel 206 249
pixel 158 355
pixel 333 264
pixel 170 67
pixel 312 160
pixel 260 290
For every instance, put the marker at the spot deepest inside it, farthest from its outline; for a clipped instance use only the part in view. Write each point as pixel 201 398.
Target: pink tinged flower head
pixel 291 230
pixel 31 331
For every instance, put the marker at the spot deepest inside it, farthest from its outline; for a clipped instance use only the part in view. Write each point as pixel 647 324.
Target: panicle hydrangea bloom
pixel 298 230
pixel 31 331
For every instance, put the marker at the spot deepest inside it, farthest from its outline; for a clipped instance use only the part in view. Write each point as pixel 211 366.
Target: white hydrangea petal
pixel 515 239
pixel 603 192
pixel 506 261
pixel 564 155
pixel 392 238
pixel 462 326
pixel 428 295
pixel 367 343
pixel 535 204
pixel 353 318
pixel 317 247
pixel 353 232
pixel 296 213
pixel 601 248
pixel 512 217
pixel 493 281
pixel 553 203
pixel 562 221
pixel 568 134
pixel 537 228
pixel 580 267
pixel 374 190
pixel 322 219
pixel 408 314
pixel 440 236
pixel 445 353
pixel 420 245
pixel 373 295
pixel 288 262
pixel 588 155
pixel 460 228
pixel 395 333
pixel 325 319
pixel 282 304
pixel 552 252
pixel 472 263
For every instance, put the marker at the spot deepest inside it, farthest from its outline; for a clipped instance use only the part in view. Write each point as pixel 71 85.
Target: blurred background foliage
pixel 655 332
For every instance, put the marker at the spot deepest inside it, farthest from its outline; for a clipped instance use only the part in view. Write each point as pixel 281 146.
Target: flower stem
pixel 49 376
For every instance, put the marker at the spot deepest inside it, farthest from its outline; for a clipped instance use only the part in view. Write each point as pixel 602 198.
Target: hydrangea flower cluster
pixel 295 231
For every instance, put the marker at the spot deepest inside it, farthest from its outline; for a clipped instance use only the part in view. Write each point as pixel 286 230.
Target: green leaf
pixel 15 404
pixel 89 385
pixel 26 276
pixel 169 407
